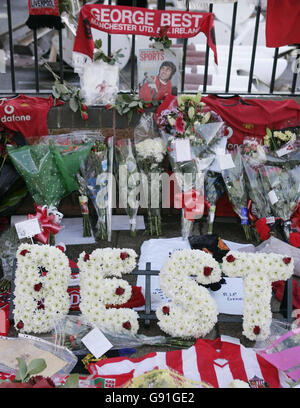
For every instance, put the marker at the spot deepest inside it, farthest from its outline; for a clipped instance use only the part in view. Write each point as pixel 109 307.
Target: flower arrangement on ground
pixel 258 270
pixel 100 285
pixel 190 130
pixel 192 312
pixel 41 283
pixel 150 151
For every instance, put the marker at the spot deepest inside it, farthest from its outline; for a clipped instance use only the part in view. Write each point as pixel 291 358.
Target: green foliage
pixel 109 59
pixel 26 371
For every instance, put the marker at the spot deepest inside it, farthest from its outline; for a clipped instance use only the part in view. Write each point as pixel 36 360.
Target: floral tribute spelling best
pixel 101 285
pixel 41 283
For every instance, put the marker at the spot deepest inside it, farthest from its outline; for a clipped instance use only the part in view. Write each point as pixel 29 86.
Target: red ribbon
pixel 47 224
pixel 250 214
pixel 192 203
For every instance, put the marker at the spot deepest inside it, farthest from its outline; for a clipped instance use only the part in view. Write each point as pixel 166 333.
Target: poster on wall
pixel 159 73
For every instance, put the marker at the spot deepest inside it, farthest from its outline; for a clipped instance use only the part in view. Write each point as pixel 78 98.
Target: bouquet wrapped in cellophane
pixel 128 177
pixel 281 185
pixel 190 131
pixel 96 171
pixel 214 188
pixel 234 179
pixel 150 150
pixel 49 169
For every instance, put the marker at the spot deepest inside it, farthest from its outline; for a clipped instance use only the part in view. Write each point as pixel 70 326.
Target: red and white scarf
pixel 44 13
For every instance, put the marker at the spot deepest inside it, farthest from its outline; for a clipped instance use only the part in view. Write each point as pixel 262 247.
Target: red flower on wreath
pixel 86 257
pixel 20 325
pixel 256 330
pixel 287 260
pixel 37 287
pixel 166 310
pixel 119 291
pixel 230 258
pixel 124 255
pixel 24 252
pixel 127 325
pixel 207 270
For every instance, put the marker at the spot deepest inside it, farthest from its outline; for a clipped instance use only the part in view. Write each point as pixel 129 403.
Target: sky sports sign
pixel 141 21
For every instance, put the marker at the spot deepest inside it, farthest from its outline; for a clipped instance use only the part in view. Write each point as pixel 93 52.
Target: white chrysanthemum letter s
pixel 41 283
pixel 258 270
pixel 100 286
pixel 192 311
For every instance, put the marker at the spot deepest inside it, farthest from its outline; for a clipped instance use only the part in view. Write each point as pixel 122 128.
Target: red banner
pixel 140 21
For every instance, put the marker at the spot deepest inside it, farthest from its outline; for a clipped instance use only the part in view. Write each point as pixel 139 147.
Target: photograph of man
pixel 157 87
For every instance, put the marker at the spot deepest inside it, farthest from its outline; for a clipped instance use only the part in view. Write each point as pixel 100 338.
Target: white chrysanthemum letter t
pixel 258 271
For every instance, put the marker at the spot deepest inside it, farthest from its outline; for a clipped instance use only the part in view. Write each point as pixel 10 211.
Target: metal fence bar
pixel 295 76
pixel 231 46
pixel 61 57
pixel 258 12
pixel 185 43
pixel 109 38
pixel 206 57
pixel 274 70
pixel 11 48
pixel 36 61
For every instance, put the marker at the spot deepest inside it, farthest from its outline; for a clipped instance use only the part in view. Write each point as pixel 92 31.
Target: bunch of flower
pixel 41 283
pixel 258 270
pixel 186 117
pixel 281 184
pixel 150 151
pixel 192 312
pixel 129 180
pixel 213 189
pixel 274 140
pixel 98 289
pixel 234 179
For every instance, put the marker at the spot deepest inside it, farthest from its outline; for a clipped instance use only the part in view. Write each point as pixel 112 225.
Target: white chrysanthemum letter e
pixel 101 286
pixel 258 270
pixel 192 311
pixel 41 283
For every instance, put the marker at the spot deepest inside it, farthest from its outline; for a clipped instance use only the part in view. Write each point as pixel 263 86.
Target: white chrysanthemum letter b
pixel 258 270
pixel 41 283
pixel 100 286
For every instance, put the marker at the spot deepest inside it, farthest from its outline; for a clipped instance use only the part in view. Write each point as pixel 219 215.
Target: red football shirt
pixel 26 114
pixel 250 117
pixel 282 23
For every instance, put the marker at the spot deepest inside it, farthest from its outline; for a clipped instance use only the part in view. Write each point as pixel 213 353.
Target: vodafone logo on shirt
pixel 11 117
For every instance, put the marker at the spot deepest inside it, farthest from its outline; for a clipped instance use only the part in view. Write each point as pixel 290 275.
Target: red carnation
pixel 166 310
pixel 24 252
pixel 262 229
pixel 119 291
pixel 230 258
pixel 124 255
pixel 256 330
pixel 86 257
pixel 287 260
pixel 20 325
pixel 207 270
pixel 37 287
pixel 127 325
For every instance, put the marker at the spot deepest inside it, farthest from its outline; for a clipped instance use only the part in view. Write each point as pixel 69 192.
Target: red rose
pixel 24 252
pixel 148 105
pixel 37 287
pixel 140 110
pixel 207 270
pixel 20 325
pixel 84 115
pixel 287 260
pixel 119 291
pixel 123 255
pixel 127 325
pixel 230 258
pixel 84 107
pixel 166 310
pixel 108 106
pixel 86 257
pixel 256 330
pixel 38 381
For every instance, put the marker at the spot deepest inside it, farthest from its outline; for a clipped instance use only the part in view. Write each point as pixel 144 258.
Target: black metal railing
pixel 10 86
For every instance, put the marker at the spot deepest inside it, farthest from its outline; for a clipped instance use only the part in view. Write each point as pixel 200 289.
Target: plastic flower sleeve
pixel 150 151
pixel 128 180
pixel 100 83
pixel 213 189
pixel 234 180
